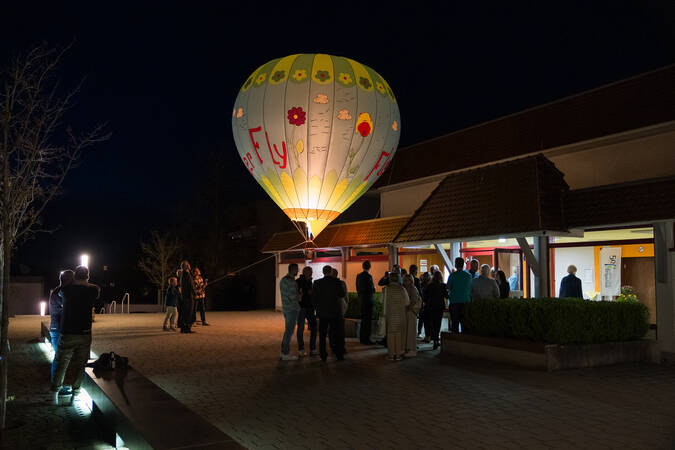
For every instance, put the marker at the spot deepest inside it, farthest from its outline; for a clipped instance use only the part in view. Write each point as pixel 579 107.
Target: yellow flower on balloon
pixel 381 88
pixel 261 78
pixel 345 78
pixel 300 75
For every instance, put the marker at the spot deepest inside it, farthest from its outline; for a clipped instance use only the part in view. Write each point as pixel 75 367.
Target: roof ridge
pixel 542 105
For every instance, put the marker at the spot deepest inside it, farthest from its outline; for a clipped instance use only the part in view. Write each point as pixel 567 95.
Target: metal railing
pixel 127 299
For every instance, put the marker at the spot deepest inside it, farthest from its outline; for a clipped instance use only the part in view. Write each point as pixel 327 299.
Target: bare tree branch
pixel 159 257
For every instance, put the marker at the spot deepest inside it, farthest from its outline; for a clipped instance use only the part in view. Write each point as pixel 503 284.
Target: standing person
pixel 326 294
pixel 75 341
pixel 570 285
pixel 395 303
pixel 459 286
pixel 504 287
pixel 187 298
pixel 434 299
pixel 56 308
pixel 513 280
pixel 365 288
pixel 290 305
pixel 200 296
pixel 179 306
pixel 410 342
pixel 416 281
pixel 306 313
pixel 344 305
pixel 171 300
pixel 424 282
pixel 484 287
pixel 473 271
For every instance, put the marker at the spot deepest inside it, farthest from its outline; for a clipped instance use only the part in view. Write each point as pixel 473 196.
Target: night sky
pixel 165 78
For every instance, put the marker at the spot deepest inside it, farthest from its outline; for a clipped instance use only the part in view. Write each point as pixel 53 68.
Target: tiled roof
pixel 518 196
pixel 352 234
pixel 637 102
pixel 640 202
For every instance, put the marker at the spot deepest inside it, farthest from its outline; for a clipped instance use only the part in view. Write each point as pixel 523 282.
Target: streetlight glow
pixel 84 260
pixel 43 308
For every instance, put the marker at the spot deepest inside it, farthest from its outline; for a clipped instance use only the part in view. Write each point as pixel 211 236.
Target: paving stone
pixel 231 375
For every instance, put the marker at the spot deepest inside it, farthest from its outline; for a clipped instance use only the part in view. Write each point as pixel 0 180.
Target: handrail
pixel 113 307
pixel 128 299
pixel 102 311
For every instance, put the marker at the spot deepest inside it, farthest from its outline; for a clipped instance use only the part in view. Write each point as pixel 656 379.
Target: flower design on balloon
pixel 299 75
pixel 322 75
pixel 365 82
pixel 364 124
pixel 279 75
pixel 345 78
pixel 394 126
pixel 380 87
pixel 343 114
pixel 248 82
pixel 297 116
pixel 261 78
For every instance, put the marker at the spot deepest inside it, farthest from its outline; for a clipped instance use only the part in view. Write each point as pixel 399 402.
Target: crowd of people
pixel 410 305
pixel 185 295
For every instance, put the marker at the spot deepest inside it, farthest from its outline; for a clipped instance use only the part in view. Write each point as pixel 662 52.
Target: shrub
pixel 354 306
pixel 557 321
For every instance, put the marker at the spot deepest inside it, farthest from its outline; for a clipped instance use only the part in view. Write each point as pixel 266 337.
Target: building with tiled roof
pixel 587 180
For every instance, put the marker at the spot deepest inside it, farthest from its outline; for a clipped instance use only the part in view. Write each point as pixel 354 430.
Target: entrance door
pixel 639 273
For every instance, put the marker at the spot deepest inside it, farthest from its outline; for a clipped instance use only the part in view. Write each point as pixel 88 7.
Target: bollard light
pixel 84 260
pixel 43 308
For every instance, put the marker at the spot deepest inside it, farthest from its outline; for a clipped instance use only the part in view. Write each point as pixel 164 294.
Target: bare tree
pixel 159 260
pixel 37 151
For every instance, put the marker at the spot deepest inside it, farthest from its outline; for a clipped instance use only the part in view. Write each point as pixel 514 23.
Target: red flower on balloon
pixel 364 124
pixel 296 116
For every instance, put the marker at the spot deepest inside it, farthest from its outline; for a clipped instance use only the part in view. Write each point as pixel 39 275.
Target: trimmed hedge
pixel 354 307
pixel 557 321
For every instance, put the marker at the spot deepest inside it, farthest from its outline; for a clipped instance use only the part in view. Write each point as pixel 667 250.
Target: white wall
pixel 405 201
pixel 637 159
pixel 583 258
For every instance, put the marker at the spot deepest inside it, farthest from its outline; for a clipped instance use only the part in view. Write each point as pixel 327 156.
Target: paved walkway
pixel 231 375
pixel 33 422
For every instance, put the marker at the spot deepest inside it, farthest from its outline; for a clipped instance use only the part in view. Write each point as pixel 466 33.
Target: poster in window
pixel 610 266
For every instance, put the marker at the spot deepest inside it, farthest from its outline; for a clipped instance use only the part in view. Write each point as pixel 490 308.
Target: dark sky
pixel 165 78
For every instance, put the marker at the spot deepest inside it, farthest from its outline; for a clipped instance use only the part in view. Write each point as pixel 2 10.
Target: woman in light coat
pixel 395 303
pixel 412 309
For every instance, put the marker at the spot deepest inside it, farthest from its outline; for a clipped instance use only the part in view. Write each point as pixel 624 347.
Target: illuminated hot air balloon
pixel 316 131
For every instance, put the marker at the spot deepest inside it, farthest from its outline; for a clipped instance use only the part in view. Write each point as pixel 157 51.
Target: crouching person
pixel 171 299
pixel 75 341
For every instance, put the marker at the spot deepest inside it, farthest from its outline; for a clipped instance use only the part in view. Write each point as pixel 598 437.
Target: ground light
pixel 43 308
pixel 83 402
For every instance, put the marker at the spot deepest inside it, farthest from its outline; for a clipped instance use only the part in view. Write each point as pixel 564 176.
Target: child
pixel 171 299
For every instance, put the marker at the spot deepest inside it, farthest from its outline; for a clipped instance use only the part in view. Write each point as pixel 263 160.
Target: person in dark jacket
pixel 424 282
pixel 365 288
pixel 570 286
pixel 187 302
pixel 504 287
pixel 435 295
pixel 326 295
pixel 306 313
pixel 56 307
pixel 171 300
pixel 75 342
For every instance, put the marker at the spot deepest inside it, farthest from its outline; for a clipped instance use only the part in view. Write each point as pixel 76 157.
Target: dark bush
pixel 354 307
pixel 557 321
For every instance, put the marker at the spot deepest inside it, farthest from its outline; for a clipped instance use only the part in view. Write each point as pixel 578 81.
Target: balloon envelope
pixel 316 131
